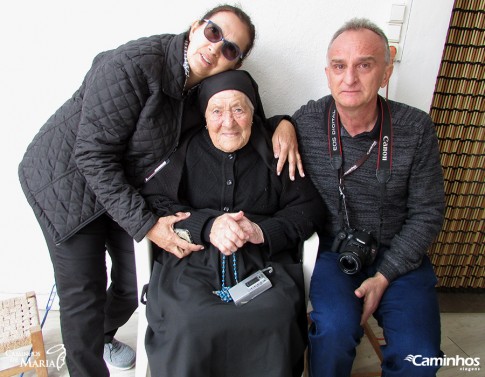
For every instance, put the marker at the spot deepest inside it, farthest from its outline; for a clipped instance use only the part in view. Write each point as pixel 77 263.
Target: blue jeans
pixel 408 313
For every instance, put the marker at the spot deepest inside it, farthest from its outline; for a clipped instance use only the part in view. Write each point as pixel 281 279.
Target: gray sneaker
pixel 119 355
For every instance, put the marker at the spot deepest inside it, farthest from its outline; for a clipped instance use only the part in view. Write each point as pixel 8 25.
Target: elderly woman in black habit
pixel 248 219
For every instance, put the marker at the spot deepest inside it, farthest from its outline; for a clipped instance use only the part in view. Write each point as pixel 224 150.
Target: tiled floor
pixel 463 335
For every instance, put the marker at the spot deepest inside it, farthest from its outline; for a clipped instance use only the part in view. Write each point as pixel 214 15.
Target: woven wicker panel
pixel 17 316
pixel 458 110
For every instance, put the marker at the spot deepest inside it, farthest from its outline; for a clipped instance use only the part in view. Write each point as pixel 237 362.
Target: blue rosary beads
pixel 223 293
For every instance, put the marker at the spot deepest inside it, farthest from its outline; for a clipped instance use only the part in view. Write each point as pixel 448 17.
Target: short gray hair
pixel 364 23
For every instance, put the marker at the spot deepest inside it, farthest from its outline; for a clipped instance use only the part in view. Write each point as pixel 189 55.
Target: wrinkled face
pixel 205 58
pixel 356 68
pixel 229 116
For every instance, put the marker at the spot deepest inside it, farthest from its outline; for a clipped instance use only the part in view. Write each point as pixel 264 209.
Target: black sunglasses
pixel 213 33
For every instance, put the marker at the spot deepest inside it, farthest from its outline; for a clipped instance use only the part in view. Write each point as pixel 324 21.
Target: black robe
pixel 191 331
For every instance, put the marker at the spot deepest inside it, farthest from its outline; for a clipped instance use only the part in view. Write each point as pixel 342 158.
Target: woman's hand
pixel 252 230
pixel 285 146
pixel 226 234
pixel 164 236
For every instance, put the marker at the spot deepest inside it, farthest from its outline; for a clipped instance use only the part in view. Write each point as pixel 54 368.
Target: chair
pixel 309 257
pixel 144 262
pixel 19 327
pixel 376 345
pixel 310 252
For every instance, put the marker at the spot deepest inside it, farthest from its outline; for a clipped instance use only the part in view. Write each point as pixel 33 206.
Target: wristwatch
pixel 184 234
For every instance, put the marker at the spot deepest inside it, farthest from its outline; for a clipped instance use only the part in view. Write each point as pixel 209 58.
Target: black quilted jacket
pixel 94 153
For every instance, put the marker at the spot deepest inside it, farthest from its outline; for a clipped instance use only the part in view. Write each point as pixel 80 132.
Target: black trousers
pixel 90 313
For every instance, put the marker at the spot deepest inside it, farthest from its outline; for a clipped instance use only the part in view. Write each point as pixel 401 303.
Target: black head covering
pixel 230 80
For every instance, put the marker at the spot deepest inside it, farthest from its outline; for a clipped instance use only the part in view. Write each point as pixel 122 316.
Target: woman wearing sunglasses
pixel 82 172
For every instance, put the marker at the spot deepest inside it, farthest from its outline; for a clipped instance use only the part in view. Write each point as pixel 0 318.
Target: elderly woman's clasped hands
pixel 231 231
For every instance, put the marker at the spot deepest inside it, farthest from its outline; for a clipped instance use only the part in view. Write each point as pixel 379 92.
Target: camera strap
pixel 342 202
pixel 384 161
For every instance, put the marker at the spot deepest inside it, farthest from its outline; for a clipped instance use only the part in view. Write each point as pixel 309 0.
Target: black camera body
pixel 357 248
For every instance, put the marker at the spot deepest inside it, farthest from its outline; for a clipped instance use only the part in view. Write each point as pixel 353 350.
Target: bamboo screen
pixel 458 110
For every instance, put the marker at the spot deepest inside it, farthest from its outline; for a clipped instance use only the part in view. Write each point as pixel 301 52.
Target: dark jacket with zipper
pixel 97 150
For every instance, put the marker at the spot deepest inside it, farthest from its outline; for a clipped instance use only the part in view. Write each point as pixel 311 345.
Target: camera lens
pixel 349 263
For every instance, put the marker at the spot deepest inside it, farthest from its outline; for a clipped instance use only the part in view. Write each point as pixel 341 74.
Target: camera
pixel 357 248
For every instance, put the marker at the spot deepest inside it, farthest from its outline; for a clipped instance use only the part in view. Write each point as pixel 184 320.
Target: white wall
pixel 47 46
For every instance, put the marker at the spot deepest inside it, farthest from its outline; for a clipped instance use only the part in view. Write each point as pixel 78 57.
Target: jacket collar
pixel 173 74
